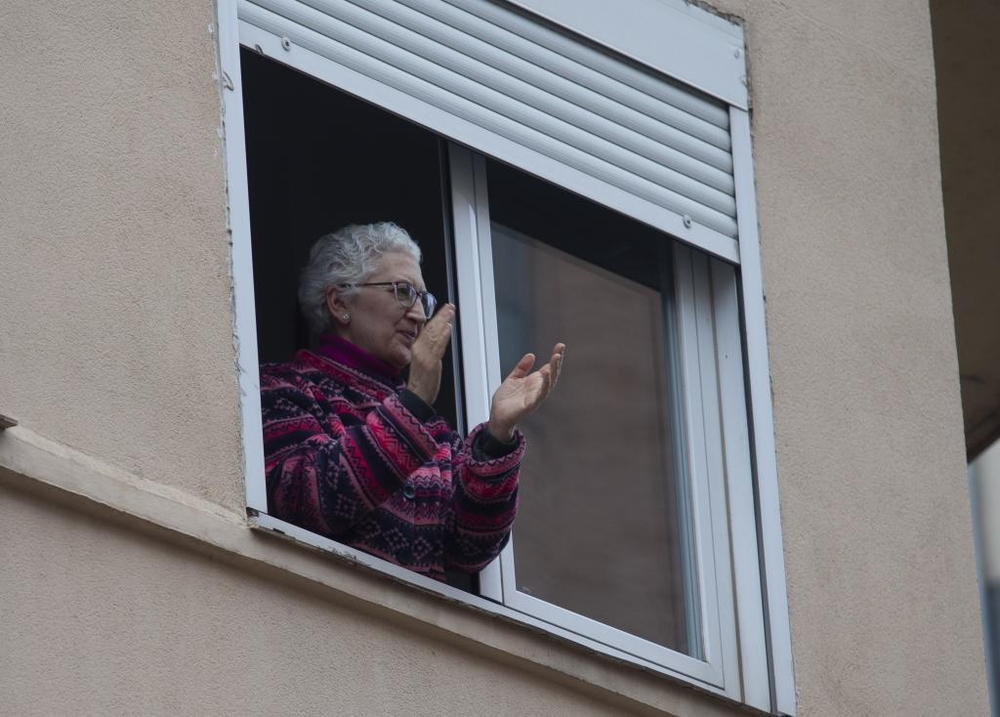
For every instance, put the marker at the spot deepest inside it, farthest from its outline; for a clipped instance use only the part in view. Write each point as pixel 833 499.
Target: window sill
pixel 29 462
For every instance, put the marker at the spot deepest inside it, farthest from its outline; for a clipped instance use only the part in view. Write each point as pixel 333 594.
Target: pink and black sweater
pixel 352 455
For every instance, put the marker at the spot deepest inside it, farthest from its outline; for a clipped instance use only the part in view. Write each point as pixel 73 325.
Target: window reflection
pixel 601 528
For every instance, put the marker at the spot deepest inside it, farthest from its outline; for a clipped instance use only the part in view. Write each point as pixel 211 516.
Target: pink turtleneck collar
pixel 344 352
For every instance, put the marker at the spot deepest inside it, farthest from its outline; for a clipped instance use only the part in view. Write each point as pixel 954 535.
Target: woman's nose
pixel 417 312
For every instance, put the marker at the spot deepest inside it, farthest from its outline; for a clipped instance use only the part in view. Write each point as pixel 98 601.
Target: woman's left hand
pixel 522 393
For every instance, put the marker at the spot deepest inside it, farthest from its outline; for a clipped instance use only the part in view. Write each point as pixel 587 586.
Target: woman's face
pixel 378 324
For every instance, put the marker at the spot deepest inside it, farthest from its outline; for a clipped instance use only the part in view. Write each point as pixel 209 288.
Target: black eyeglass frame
pixel 408 297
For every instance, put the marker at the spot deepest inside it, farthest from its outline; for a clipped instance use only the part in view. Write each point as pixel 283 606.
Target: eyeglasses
pixel 406 295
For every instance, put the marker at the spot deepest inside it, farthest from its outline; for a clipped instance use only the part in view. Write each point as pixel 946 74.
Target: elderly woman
pixel 355 453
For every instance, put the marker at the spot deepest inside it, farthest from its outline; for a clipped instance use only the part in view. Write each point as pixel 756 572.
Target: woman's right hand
pixel 427 353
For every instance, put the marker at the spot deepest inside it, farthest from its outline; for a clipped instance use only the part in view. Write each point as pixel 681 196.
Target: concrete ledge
pixel 54 472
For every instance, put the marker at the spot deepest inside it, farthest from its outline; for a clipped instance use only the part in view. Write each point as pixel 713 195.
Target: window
pixel 560 188
pixel 622 535
pixel 605 525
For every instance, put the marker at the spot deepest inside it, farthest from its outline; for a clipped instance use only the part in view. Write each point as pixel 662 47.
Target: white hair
pixel 346 256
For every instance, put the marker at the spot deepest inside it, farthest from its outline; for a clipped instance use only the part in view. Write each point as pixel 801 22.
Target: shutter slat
pixel 562 100
pixel 525 104
pixel 714 113
pixel 525 81
pixel 596 91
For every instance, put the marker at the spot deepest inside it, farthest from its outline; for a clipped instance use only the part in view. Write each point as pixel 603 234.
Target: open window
pixel 606 531
pixel 560 190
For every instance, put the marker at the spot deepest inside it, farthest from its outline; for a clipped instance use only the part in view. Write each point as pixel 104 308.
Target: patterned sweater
pixel 351 455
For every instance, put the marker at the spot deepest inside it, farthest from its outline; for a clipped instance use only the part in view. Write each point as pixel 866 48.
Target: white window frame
pixel 746 635
pixel 474 268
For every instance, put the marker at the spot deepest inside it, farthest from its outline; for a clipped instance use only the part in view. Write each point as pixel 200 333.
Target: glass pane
pixel 602 524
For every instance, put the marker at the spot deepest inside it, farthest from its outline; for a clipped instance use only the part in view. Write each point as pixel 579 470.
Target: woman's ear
pixel 337 306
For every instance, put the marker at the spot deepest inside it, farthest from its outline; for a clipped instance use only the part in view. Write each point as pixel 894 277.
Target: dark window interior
pixel 577 225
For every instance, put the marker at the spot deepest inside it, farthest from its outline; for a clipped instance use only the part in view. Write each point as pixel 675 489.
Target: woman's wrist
pixel 421 390
pixel 487 447
pixel 499 431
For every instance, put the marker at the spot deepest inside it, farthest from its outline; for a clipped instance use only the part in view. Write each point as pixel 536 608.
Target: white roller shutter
pixel 516 88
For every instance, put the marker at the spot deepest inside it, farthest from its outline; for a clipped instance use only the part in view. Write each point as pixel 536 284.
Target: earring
pixel 347 318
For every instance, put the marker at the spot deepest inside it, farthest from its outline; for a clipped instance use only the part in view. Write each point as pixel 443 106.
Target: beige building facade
pixel 132 580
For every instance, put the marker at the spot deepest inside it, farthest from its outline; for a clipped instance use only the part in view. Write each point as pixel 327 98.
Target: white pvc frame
pixel 761 675
pixel 244 303
pixel 758 397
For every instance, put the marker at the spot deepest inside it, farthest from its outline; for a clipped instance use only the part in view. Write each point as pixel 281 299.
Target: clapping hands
pixel 522 392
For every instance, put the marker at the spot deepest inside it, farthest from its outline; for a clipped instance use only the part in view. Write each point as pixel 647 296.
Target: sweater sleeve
pixel 485 500
pixel 327 468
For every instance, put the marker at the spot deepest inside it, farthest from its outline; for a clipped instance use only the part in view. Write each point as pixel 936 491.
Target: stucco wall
pixel 117 339
pixel 115 279
pixel 110 622
pixel 874 499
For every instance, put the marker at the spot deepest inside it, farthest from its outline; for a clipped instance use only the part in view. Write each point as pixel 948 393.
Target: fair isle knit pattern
pixel 345 458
